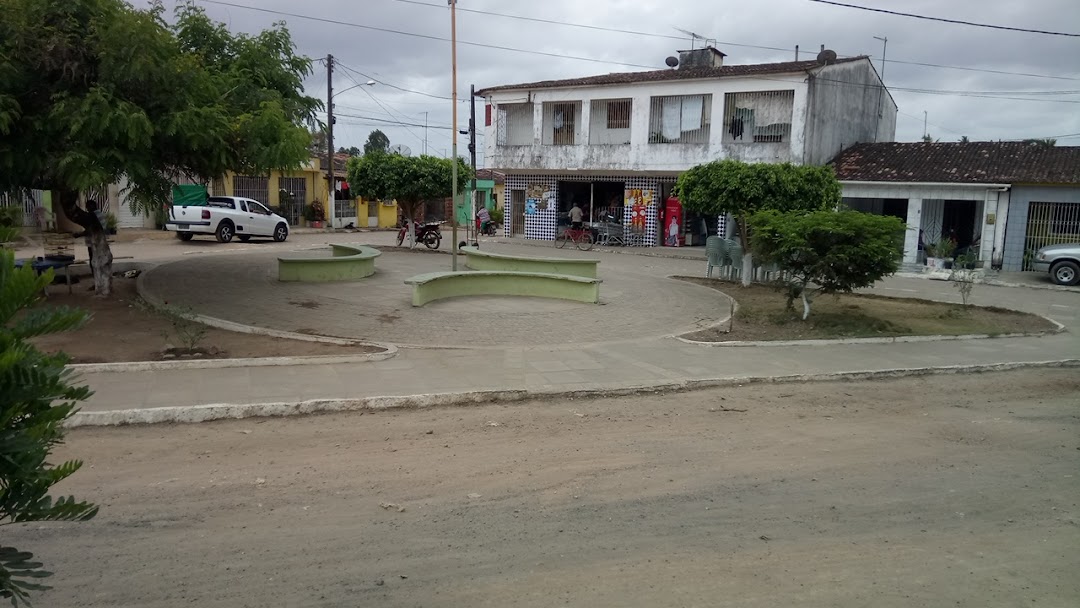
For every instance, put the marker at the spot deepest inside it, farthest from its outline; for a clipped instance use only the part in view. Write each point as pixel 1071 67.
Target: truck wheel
pixel 185 236
pixel 225 231
pixel 1065 273
pixel 281 232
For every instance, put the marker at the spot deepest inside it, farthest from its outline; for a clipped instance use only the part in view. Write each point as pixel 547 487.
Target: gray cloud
pixel 424 65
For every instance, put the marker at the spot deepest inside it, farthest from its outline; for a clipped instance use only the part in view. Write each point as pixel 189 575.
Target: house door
pixel 958 222
pixel 517 212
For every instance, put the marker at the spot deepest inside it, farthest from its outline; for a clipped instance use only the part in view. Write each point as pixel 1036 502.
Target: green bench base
pixel 348 263
pixel 438 285
pixel 484 260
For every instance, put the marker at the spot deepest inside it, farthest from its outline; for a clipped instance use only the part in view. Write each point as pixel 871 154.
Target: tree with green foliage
pixel 95 90
pixel 742 189
pixel 36 397
pixel 409 180
pixel 1047 142
pixel 351 151
pixel 377 143
pixel 828 251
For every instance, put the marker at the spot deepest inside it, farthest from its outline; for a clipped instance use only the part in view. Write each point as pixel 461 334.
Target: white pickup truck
pixel 226 217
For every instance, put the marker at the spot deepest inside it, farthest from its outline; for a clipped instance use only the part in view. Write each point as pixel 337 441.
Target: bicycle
pixel 581 237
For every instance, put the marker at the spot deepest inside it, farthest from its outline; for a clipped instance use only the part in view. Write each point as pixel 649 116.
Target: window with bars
pixel 514 124
pixel 680 119
pixel 609 121
pixel 252 187
pixel 760 117
pixel 561 119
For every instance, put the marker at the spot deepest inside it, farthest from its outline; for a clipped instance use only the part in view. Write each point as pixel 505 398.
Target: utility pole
pixel 330 134
pixel 425 132
pixel 472 152
pixel 454 157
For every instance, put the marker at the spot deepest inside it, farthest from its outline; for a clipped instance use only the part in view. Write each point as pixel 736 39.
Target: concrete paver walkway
pixel 587 365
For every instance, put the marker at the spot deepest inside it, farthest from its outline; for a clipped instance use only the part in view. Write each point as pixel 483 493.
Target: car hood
pixel 1068 248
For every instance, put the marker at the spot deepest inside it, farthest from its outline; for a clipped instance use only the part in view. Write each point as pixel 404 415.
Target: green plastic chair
pixel 715 251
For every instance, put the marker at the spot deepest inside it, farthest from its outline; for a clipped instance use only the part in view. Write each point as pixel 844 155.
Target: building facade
pixel 1003 200
pixel 615 144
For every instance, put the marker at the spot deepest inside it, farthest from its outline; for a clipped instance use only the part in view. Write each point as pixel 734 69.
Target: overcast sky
pixel 424 65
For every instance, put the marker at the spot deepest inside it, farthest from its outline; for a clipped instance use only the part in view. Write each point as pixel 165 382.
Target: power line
pixel 392 86
pixel 534 52
pixel 386 109
pixel 426 36
pixel 736 44
pixel 394 121
pixel 944 20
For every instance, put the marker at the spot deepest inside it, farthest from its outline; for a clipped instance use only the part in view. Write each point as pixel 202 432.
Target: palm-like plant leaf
pixel 36 397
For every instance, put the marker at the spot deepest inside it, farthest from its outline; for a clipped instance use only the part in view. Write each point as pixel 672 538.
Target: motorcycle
pixel 487 228
pixel 428 234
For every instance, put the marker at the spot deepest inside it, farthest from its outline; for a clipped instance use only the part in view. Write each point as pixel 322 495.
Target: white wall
pixel 640 155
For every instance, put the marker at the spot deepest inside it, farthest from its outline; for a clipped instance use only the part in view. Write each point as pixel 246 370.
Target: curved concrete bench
pixel 484 260
pixel 348 263
pixel 438 285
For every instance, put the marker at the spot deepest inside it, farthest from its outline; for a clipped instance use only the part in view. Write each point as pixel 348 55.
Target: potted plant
pixel 315 214
pixel 930 249
pixel 945 250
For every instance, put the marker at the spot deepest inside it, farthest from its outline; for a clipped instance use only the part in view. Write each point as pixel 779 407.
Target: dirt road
pixel 947 491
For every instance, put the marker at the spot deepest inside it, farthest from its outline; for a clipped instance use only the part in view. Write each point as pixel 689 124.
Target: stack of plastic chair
pixel 715 251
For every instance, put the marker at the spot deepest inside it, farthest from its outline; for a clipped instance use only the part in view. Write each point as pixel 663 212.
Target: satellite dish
pixel 672 62
pixel 400 149
pixel 826 57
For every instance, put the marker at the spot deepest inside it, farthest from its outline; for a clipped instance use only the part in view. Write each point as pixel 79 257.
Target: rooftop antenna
pixel 884 46
pixel 695 37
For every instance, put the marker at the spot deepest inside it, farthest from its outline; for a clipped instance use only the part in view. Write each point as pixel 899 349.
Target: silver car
pixel 1061 261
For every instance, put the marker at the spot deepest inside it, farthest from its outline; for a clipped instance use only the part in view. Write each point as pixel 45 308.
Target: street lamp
pixel 330 178
pixel 454 156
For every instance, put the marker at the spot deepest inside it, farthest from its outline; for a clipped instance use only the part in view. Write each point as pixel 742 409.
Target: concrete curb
pixel 140 288
pixel 221 411
pixel 155 366
pixel 985 280
pixel 894 340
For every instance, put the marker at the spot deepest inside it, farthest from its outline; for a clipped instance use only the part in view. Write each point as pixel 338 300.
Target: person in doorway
pixel 576 214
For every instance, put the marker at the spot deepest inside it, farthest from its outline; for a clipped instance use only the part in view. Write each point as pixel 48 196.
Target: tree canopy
pixel 742 189
pixel 93 90
pixel 828 251
pixel 377 143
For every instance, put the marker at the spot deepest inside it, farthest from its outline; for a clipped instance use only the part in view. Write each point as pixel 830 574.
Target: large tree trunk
pixel 101 255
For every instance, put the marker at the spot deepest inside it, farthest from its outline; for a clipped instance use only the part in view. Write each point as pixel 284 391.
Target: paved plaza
pixel 634 303
pixel 531 351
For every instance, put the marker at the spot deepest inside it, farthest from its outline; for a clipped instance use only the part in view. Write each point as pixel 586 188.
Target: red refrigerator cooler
pixel 672 231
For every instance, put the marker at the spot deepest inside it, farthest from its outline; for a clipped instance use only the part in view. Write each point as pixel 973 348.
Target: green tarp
pixel 189 195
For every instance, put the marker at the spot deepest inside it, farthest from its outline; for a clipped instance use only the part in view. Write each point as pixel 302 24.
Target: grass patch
pixel 761 316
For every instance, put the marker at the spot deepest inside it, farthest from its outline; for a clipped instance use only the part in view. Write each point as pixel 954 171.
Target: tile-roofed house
pixel 984 162
pixel 1004 200
pixel 615 141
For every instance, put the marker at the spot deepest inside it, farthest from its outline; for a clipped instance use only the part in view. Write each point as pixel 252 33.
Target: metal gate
pixel 1050 224
pixel 292 196
pixel 28 200
pixel 249 186
pixel 517 212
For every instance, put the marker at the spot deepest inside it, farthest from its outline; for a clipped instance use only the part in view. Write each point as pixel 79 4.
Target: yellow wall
pixel 388 215
pixel 500 194
pixel 316 187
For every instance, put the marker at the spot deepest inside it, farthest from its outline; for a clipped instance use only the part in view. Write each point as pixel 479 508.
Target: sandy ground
pixel 944 491
pixel 119 330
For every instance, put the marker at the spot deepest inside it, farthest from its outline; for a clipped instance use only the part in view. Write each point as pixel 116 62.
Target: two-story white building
pixel 614 144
